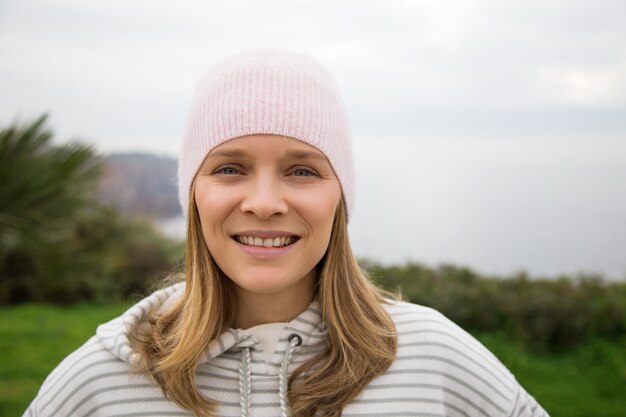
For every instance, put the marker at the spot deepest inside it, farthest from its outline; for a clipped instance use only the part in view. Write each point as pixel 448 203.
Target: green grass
pixel 588 381
pixel 34 338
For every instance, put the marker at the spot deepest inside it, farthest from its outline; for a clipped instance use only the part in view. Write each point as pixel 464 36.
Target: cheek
pixel 214 205
pixel 322 213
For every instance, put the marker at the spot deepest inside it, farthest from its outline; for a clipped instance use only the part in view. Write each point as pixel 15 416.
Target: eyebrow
pixel 229 153
pixel 295 154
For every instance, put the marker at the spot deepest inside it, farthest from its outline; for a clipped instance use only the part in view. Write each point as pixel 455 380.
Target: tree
pixel 43 190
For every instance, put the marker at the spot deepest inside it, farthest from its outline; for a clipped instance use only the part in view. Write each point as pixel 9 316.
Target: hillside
pixel 139 184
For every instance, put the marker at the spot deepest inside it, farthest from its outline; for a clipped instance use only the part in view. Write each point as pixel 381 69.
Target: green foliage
pixel 132 255
pixel 540 314
pixel 586 381
pixel 56 242
pixel 44 188
pixel 589 380
pixel 34 338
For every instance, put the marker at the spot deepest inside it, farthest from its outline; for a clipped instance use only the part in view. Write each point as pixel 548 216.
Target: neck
pixel 256 309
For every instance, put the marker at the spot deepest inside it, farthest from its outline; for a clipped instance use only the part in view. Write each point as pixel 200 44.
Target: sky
pixel 488 134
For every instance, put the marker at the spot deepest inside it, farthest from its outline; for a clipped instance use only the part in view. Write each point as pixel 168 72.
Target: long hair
pixel 361 339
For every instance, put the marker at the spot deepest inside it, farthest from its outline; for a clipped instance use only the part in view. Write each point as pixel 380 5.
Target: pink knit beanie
pixel 267 91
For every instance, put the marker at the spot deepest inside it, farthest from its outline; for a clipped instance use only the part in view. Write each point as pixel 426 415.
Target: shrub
pixel 57 243
pixel 541 314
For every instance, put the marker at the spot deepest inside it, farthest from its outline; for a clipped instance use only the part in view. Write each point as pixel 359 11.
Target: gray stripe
pixel 150 301
pixel 127 401
pixel 413 312
pixel 305 321
pixel 256 405
pixel 107 389
pixel 463 368
pixel 152 413
pixel 533 407
pixel 446 375
pixel 119 348
pixel 515 402
pixel 138 316
pixel 144 312
pixel 483 353
pixel 74 375
pixel 75 362
pixel 212 375
pixel 301 349
pixel 374 387
pixel 227 358
pixel 236 391
pixel 521 410
pixel 236 357
pixel 413 401
pixel 505 384
pixel 393 414
pixel 422 321
pixel 82 385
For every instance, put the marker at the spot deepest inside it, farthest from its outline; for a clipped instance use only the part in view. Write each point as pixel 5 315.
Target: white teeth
pixel 267 242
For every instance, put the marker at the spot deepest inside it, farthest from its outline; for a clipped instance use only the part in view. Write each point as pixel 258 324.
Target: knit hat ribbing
pixel 267 91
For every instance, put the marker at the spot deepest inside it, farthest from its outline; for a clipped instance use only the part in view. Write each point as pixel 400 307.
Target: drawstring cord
pixel 245 376
pixel 294 340
pixel 244 382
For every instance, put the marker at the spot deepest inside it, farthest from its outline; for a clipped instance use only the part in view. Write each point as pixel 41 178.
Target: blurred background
pixel 490 149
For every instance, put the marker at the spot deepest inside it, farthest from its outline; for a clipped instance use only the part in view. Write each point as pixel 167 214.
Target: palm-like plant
pixel 43 189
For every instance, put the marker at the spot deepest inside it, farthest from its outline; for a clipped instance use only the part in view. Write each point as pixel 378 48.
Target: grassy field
pixel 588 381
pixel 33 340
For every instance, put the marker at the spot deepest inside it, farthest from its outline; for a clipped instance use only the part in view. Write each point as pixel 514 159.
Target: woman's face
pixel 266 205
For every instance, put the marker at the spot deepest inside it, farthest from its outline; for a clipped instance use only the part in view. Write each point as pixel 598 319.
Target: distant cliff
pixel 139 184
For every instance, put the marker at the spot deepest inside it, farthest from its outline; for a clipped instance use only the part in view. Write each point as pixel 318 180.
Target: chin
pixel 263 290
pixel 268 282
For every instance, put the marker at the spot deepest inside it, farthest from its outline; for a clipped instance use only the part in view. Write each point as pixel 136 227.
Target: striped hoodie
pixel 440 370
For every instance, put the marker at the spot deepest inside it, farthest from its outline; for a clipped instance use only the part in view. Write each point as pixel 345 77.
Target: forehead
pixel 273 145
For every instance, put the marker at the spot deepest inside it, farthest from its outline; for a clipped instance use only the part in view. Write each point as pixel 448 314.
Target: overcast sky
pixel 489 133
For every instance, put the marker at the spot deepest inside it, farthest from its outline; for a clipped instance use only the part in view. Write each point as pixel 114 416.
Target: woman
pixel 275 317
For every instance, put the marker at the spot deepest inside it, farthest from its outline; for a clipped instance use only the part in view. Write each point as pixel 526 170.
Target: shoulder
pixel 74 380
pixel 425 326
pixel 424 332
pixel 442 362
pixel 101 378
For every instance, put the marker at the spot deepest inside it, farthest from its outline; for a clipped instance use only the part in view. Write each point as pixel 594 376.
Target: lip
pixel 263 253
pixel 265 233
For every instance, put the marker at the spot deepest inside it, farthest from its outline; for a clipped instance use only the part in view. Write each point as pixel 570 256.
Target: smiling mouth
pixel 267 242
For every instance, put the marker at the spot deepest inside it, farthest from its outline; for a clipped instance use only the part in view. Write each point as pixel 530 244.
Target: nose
pixel 265 198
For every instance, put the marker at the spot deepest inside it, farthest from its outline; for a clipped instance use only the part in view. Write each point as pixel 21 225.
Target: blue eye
pixel 227 171
pixel 303 172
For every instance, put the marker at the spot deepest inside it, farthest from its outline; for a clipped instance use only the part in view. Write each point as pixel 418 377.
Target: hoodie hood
pixel 226 351
pixel 235 351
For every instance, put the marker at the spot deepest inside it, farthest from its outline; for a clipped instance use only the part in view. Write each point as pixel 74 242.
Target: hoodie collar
pixel 308 326
pixel 225 351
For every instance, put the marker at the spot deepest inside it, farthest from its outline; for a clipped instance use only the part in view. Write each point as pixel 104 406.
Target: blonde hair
pixel 361 339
